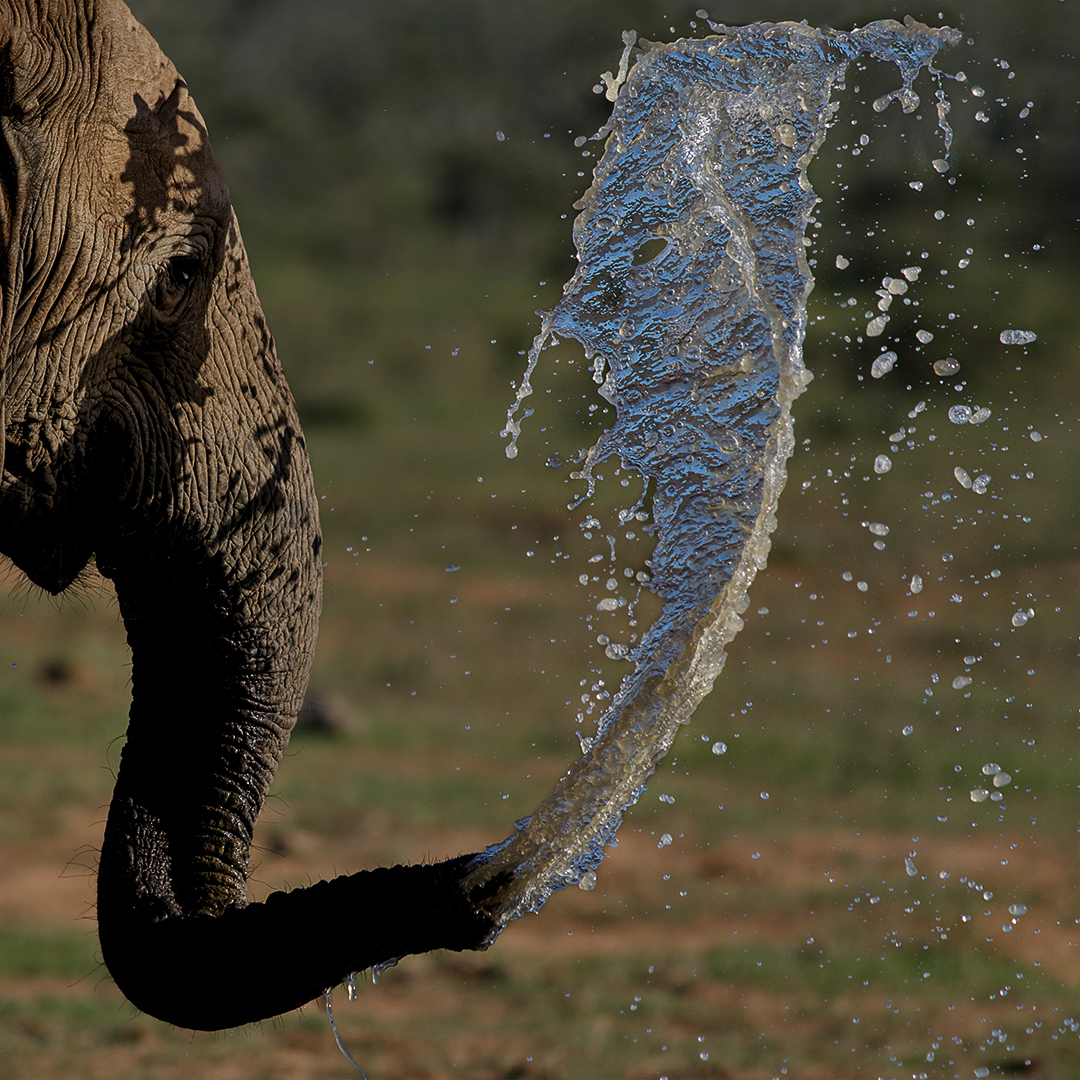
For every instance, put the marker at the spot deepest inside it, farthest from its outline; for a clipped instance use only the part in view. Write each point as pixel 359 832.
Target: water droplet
pixel 452 568
pixel 350 986
pixel 949 366
pixel 1035 437
pixel 667 799
pixel 755 855
pixel 588 881
pixel 785 134
pixel 991 768
pixel 912 273
pixel 1017 337
pixel 876 326
pixel 1001 779
pixel 719 748
pixel 908 729
pixel 1019 618
pixel 378 969
pixel 764 794
pixel 916 583
pixel 609 603
pixel 940 164
pixel 664 840
pixel 960 414
pixel 980 415
pixel 500 136
pixel 1018 909
pixel 924 336
pixel 884 363
pixel 882 463
pixel 910 867
pixel 961 681
pixel 980 484
pixel 962 476
pixel 979 794
pixel 841 263
pixel 878 529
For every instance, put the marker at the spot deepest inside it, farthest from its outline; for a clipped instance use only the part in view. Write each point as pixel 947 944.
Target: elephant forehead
pixel 120 117
pixel 157 160
pixel 156 151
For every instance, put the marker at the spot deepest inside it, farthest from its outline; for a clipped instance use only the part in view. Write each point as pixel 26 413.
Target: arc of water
pixel 707 148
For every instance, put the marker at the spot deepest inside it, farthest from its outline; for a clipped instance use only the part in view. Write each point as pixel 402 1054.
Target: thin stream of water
pixel 698 345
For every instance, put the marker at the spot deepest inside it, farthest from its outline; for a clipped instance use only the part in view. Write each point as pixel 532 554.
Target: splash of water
pixel 699 348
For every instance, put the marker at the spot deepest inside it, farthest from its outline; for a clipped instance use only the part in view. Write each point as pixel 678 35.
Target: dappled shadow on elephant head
pixel 146 423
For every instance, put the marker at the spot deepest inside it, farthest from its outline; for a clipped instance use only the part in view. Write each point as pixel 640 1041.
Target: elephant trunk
pixel 221 633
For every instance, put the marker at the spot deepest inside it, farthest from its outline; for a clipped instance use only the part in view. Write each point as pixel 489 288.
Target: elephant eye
pixel 176 279
pixel 182 270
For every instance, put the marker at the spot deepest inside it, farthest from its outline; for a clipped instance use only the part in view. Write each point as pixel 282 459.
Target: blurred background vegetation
pixel 404 174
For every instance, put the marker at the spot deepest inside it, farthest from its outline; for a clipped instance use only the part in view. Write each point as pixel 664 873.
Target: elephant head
pixel 146 423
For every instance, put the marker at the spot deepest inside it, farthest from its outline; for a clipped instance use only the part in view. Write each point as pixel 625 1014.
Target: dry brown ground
pixel 448 1015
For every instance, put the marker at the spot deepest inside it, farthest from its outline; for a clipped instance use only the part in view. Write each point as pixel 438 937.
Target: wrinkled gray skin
pixel 146 424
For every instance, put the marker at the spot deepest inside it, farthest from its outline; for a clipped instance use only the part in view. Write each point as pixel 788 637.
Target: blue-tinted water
pixel 690 303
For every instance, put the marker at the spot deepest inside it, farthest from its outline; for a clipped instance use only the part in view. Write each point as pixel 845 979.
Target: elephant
pixel 145 423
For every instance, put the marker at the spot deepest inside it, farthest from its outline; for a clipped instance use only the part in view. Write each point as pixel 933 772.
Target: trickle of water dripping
pixel 337 1037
